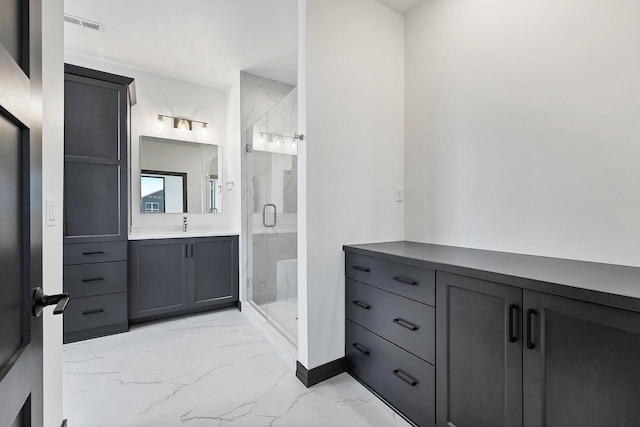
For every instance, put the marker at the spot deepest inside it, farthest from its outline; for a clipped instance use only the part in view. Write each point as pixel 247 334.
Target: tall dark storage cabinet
pixel 95 202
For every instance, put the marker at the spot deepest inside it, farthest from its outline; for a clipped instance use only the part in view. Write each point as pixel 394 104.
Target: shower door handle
pixel 264 215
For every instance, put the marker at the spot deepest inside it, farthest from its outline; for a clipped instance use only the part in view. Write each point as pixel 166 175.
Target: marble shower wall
pixel 267 106
pixel 268 249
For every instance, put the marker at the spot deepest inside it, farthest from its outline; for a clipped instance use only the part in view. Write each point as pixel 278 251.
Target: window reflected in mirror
pixel 163 192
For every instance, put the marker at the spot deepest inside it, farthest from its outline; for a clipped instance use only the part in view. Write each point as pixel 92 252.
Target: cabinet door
pixel 214 271
pixel 95 148
pixel 582 364
pixel 479 353
pixel 159 277
pixel 92 201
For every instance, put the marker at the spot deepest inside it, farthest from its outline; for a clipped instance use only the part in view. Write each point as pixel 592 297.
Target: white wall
pixel 164 95
pixel 523 127
pixel 353 156
pixel 52 188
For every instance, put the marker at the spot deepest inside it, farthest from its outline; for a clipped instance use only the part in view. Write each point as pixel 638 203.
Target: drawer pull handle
pixel 530 344
pixel 405 377
pixel 93 253
pixel 513 320
pixel 362 304
pixel 88 312
pixel 408 325
pixel 362 349
pixel 97 279
pixel 405 280
pixel 363 269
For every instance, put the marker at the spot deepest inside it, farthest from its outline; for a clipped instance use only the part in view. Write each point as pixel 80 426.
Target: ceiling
pixel 401 6
pixel 203 41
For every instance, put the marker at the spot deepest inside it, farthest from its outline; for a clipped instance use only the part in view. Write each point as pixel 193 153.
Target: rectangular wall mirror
pixel 179 176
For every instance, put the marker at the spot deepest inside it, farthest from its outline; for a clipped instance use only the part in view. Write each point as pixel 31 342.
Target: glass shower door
pixel 274 218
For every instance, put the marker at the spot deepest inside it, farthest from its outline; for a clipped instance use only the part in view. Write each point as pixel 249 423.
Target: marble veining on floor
pixel 211 369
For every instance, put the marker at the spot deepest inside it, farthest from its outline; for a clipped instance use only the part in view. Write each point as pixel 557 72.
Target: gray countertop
pixel 603 283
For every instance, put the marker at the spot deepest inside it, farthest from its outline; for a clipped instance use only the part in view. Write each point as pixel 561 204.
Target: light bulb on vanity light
pixel 160 124
pixel 183 126
pixel 204 131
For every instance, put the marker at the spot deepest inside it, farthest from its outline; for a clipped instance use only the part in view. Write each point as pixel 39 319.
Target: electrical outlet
pixel 399 194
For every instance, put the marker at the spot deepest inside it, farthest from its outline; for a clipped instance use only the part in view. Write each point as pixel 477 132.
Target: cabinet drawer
pixel 86 280
pixel 402 379
pixel 407 280
pixel 406 323
pixel 86 253
pixel 95 312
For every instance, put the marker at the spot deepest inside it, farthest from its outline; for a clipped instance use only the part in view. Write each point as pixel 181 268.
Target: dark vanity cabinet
pixel 176 276
pixel 95 202
pixel 510 349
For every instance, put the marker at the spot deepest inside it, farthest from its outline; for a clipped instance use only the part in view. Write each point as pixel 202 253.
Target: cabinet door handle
pixel 405 280
pixel 362 349
pixel 513 319
pixel 363 269
pixel 186 251
pixel 93 253
pixel 530 344
pixel 192 250
pixel 362 304
pixel 88 312
pixel 97 279
pixel 405 377
pixel 408 325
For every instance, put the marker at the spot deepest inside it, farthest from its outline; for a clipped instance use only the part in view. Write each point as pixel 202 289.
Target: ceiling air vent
pixel 84 23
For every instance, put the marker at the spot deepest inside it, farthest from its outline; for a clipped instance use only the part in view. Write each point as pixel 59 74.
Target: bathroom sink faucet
pixel 184 224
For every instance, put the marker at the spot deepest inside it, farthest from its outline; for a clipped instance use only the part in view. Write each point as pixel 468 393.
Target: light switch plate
pixel 50 213
pixel 399 194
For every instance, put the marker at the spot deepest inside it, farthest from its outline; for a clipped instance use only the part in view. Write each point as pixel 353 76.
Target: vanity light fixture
pixel 183 125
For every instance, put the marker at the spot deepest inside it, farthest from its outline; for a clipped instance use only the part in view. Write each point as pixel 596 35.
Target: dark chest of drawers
pixel 390 333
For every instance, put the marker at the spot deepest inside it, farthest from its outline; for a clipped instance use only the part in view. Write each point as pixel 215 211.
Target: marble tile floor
pixel 210 369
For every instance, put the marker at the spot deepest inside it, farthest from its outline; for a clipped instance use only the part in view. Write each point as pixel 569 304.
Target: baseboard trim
pixel 311 377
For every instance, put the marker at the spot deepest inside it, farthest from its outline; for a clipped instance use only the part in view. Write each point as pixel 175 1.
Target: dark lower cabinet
pixel 518 342
pixel 581 363
pixel 158 277
pixel 479 353
pixel 176 276
pixel 513 357
pixel 214 271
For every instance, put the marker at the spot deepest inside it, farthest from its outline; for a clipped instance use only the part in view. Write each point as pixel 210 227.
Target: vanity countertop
pixel 177 234
pixel 616 285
